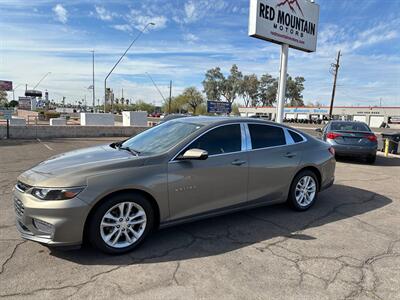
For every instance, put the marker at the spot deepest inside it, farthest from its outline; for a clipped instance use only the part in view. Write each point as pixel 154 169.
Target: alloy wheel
pixel 305 191
pixel 123 224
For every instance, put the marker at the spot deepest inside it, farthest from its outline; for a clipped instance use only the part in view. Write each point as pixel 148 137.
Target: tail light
pixel 372 137
pixel 332 135
pixel 332 150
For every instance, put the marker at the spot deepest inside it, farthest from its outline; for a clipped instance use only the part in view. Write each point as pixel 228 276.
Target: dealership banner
pixel 6 85
pixel 219 107
pixel 292 22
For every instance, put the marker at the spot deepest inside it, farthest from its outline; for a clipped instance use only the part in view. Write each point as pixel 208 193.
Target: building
pixel 373 116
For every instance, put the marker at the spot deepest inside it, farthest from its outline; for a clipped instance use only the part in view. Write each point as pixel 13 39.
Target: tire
pixel 140 224
pixel 298 203
pixel 371 159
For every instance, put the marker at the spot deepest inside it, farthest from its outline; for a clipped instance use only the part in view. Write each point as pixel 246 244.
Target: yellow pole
pixel 386 147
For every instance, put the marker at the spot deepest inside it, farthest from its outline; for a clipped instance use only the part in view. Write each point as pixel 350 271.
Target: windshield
pixel 161 138
pixel 348 126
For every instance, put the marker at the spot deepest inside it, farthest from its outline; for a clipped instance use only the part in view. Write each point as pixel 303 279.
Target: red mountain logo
pixel 292 4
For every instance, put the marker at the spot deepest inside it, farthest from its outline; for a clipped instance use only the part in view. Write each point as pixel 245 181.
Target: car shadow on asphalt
pixel 231 232
pixel 380 161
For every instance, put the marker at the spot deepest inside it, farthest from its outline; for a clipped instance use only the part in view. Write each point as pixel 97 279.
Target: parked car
pixel 350 138
pixel 182 170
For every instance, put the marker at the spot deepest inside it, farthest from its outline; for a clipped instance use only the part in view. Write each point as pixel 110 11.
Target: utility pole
pixel 170 96
pixel 94 95
pixel 334 71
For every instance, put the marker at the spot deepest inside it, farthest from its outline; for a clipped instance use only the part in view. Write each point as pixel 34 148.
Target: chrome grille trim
pixel 19 207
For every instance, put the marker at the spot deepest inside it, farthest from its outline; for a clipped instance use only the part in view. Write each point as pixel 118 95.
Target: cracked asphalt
pixel 346 247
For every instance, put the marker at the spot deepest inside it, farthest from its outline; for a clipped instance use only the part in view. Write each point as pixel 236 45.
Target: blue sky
pixel 190 37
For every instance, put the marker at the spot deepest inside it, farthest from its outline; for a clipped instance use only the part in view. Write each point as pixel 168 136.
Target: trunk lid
pixel 356 138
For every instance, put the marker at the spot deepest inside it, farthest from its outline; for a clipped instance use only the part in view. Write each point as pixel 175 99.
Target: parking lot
pixel 346 246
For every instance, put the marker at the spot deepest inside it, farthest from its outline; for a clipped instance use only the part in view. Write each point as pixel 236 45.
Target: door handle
pixel 290 154
pixel 237 162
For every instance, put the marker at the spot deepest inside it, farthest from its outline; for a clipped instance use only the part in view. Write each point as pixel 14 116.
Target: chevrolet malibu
pixel 182 170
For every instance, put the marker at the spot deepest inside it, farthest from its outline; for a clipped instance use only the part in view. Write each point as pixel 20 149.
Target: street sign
pixel 219 107
pixel 6 114
pixel 6 85
pixel 291 22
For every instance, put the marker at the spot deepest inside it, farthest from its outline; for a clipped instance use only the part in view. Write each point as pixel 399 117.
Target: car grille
pixel 19 207
pixel 22 187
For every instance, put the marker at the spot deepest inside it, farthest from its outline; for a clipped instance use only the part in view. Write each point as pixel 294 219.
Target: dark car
pixel 350 138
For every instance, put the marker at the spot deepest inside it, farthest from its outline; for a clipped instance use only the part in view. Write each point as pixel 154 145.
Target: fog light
pixel 43 226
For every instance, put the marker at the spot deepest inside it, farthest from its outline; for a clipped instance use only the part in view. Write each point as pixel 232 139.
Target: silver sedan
pixel 182 170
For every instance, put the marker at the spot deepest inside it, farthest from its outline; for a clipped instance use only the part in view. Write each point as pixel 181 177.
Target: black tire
pixel 94 234
pixel 371 159
pixel 291 201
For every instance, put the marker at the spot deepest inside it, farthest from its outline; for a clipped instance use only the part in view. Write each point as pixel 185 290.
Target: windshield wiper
pixel 133 151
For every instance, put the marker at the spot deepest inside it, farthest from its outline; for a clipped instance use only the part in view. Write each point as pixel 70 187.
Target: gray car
pixel 182 170
pixel 350 138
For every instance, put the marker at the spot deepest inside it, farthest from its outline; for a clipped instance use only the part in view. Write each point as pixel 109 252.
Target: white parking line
pixel 47 146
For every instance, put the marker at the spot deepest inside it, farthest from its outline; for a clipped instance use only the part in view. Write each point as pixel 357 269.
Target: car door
pixel 273 161
pixel 199 186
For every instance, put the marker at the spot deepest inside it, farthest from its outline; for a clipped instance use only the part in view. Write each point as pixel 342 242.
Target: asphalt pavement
pixel 347 246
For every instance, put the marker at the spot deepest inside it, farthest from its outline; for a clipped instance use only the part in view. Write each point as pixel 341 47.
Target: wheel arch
pixel 313 169
pixel 143 193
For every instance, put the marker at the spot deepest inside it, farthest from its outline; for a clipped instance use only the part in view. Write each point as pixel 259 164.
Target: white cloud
pixel 61 13
pixel 122 27
pixel 190 12
pixel 190 38
pixel 140 20
pixel 104 14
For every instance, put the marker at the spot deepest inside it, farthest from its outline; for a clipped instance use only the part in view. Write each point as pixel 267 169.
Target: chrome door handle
pixel 290 154
pixel 238 162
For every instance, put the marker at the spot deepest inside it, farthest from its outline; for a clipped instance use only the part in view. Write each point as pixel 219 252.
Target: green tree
pixel 213 83
pixel 268 89
pixel 193 98
pixel 3 99
pixel 231 85
pixel 13 103
pixel 249 90
pixel 294 89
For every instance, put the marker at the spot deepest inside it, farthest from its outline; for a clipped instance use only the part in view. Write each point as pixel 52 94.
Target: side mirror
pixel 195 154
pixel 318 130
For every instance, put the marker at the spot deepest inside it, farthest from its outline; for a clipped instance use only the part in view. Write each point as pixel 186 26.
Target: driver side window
pixel 221 140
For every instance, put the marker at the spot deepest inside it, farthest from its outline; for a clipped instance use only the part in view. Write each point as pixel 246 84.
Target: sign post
pixel 289 23
pixel 7 114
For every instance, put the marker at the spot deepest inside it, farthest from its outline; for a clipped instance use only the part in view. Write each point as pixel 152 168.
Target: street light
pixel 15 89
pixel 105 80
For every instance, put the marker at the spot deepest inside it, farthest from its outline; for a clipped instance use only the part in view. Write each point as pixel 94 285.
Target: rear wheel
pixel 121 223
pixel 303 191
pixel 371 159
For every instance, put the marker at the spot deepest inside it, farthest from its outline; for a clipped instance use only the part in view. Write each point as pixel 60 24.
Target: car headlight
pixel 56 193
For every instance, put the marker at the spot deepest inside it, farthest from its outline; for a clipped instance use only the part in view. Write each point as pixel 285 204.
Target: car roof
pixel 212 120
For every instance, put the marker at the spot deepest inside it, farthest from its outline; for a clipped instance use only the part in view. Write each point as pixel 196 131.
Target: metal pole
pixel 334 85
pixel 94 97
pixel 170 97
pixel 105 79
pixel 282 83
pixel 8 129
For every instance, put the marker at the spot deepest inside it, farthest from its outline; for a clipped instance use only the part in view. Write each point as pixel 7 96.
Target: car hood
pixel 72 168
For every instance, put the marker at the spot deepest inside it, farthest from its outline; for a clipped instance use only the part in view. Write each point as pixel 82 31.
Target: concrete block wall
pixel 94 119
pixel 58 122
pixel 17 122
pixel 45 132
pixel 134 118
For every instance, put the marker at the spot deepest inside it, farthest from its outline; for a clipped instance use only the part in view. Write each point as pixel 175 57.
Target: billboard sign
pixel 219 107
pixel 6 85
pixel 291 22
pixel 33 93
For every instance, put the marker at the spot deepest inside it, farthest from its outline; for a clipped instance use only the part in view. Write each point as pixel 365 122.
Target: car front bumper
pixel 54 223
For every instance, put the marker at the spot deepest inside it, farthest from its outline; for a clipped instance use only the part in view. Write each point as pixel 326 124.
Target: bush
pixel 51 114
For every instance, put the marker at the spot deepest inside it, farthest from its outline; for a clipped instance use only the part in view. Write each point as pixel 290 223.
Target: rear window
pixel 349 126
pixel 263 136
pixel 295 136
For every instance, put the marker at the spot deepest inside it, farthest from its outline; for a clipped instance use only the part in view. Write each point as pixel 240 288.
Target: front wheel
pixel 303 191
pixel 121 223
